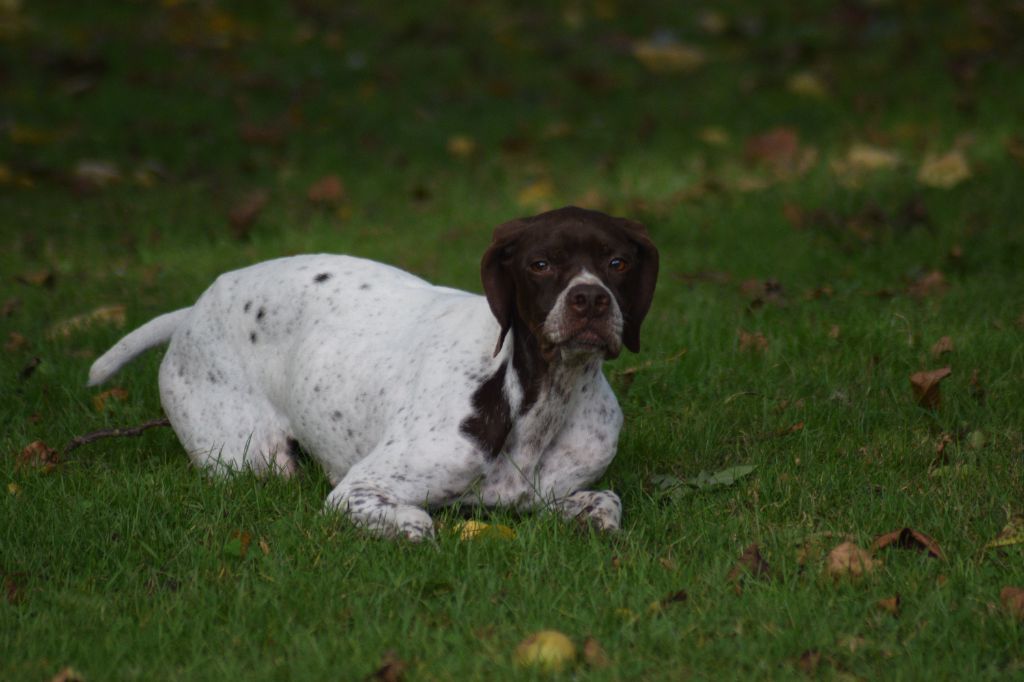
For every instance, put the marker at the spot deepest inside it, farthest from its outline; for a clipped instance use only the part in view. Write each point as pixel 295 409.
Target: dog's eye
pixel 618 264
pixel 540 266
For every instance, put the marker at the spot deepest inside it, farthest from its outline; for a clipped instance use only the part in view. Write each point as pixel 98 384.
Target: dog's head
pixel 580 281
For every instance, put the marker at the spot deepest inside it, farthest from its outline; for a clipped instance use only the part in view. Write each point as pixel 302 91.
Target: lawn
pixel 834 189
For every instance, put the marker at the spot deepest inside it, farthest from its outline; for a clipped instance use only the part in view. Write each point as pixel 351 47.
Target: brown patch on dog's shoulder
pixel 491 421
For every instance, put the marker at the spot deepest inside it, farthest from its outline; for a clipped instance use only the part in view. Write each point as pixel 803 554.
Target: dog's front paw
pixel 598 509
pixel 413 524
pixel 381 514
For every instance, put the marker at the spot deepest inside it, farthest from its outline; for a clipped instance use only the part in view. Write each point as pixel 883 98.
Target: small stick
pixel 78 441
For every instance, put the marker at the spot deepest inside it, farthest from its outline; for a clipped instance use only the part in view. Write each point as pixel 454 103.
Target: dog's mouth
pixel 588 339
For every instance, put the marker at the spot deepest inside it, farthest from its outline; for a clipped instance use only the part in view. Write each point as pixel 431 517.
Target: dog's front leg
pixel 371 506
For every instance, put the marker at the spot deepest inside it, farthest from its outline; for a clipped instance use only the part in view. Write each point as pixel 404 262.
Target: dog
pixel 412 396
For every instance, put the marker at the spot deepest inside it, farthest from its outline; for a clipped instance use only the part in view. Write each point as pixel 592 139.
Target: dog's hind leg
pixel 223 423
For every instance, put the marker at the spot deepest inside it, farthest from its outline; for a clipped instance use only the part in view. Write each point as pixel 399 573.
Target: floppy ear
pixel 499 287
pixel 639 289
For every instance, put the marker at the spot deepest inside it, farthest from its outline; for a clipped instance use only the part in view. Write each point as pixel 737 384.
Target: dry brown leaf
pixel 391 669
pixel 10 306
pixel 38 455
pixel 890 605
pixel 942 346
pixel 99 401
pixel 668 56
pixel 849 560
pixel 244 213
pixel 461 146
pixel 750 563
pixel 808 662
pixel 779 150
pixel 1013 600
pixel 594 655
pixel 929 284
pixel 327 191
pixel 15 342
pixel 908 538
pixel 834 332
pixel 926 387
pixel 945 171
pixel 107 314
pixel 755 343
pixel 46 278
pixel 67 674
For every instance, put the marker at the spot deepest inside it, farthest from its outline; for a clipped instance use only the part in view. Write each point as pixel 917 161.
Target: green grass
pixel 124 562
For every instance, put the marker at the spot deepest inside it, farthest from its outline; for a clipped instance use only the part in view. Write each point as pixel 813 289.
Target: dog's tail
pixel 153 333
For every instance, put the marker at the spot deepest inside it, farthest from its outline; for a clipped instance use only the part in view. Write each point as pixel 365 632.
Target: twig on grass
pixel 79 441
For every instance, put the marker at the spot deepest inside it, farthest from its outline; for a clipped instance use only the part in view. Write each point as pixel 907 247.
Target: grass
pixel 125 563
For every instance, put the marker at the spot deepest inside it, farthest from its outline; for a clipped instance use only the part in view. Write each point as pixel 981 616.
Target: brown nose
pixel 588 301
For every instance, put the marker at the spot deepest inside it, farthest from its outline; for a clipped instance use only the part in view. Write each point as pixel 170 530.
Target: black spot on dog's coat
pixel 364 286
pixel 248 304
pixel 252 336
pixel 322 277
pixel 261 313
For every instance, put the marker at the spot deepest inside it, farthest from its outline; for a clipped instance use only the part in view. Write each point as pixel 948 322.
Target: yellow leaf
pixel 473 530
pixel 944 172
pixel 714 136
pixel 461 146
pixel 547 649
pixel 668 57
pixel 536 196
pixel 108 314
pixel 13 488
pixel 806 84
pixel 1011 534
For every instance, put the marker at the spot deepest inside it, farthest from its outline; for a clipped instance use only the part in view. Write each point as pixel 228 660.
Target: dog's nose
pixel 589 300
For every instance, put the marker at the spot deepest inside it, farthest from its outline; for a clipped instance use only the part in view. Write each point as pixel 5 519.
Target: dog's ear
pixel 638 290
pixel 499 287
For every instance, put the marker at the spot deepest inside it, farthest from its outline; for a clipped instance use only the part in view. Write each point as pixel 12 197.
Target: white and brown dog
pixel 409 395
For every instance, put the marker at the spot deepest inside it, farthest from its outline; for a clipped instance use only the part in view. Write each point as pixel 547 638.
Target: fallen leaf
pixel 908 538
pixel 808 661
pixel 673 486
pixel 461 146
pixel 95 174
pixel 594 655
pixel 849 560
pixel 536 196
pixel 750 563
pixel 10 306
pixel 15 342
pixel 1011 534
pixel 1013 600
pixel 834 332
pixel 942 346
pixel 549 650
pixel 926 387
pixel 666 55
pixel 238 545
pixel 264 546
pixel 391 668
pixel 755 343
pixel 327 191
pixel 806 84
pixel 945 171
pixel 244 213
pixel 68 674
pixel 38 455
pixel 472 529
pixel 975 387
pixel 46 278
pixel 13 489
pixel 929 284
pixel 890 605
pixel 780 151
pixel 14 587
pixel 99 400
pixel 862 160
pixel 29 369
pixel 714 136
pixel 108 314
